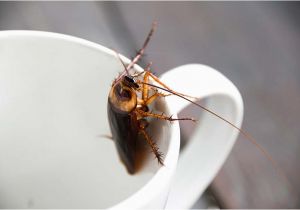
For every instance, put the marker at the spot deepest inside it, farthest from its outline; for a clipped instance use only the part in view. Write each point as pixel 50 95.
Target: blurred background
pixel 255 44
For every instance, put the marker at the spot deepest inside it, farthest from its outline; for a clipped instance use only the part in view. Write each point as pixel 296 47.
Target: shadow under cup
pixel 53 98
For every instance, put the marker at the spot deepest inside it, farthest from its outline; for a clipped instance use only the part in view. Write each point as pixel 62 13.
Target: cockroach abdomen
pixel 124 128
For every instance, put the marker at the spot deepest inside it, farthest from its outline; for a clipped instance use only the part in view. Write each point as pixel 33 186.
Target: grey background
pixel 255 44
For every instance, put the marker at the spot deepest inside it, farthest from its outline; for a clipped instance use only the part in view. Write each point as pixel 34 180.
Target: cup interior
pixel 53 113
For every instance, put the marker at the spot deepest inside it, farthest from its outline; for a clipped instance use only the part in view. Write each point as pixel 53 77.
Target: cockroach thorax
pixel 123 97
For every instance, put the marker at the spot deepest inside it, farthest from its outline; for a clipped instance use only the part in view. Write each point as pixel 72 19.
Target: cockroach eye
pixel 130 82
pixel 129 79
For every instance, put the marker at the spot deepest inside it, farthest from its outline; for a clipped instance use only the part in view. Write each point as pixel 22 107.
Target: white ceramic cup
pixel 53 98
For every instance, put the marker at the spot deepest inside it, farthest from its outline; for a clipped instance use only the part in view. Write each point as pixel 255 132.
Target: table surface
pixel 255 44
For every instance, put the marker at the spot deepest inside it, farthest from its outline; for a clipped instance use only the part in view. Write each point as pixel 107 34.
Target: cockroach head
pixel 130 82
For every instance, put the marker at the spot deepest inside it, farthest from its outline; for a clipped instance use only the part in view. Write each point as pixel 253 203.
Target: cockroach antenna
pixel 125 67
pixel 243 132
pixel 128 110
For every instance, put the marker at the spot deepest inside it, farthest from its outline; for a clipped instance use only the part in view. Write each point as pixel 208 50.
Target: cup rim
pixel 160 181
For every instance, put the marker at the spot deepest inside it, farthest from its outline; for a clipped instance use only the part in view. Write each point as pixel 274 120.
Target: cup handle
pixel 195 171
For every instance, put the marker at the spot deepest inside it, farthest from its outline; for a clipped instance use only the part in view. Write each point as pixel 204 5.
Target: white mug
pixel 53 102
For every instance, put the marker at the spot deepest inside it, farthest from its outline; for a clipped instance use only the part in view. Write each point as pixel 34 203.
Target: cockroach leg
pixel 140 102
pixel 161 116
pixel 152 145
pixel 137 74
pixel 145 92
pixel 107 136
pixel 148 67
pixel 153 97
pixel 146 89
pixel 156 79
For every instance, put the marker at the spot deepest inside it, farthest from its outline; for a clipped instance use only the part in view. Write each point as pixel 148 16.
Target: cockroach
pixel 128 107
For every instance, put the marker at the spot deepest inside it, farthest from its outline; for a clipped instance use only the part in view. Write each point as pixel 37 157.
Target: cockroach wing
pixel 124 128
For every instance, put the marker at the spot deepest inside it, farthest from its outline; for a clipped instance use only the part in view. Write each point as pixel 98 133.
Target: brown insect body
pixel 124 121
pixel 127 114
pixel 128 109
